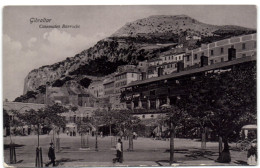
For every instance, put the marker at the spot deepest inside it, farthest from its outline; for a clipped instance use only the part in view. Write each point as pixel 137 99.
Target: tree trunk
pixel 203 139
pixel 172 145
pixel 110 131
pixel 226 147
pixel 38 135
pixel 96 146
pixel 220 147
pixel 131 143
pixel 225 154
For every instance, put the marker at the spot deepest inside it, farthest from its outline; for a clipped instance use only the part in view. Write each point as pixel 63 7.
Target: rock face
pixel 162 24
pixel 142 39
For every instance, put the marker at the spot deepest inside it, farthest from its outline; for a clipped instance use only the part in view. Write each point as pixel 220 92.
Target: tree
pixel 84 127
pixel 126 121
pixel 226 98
pixel 49 115
pixel 122 119
pixel 175 115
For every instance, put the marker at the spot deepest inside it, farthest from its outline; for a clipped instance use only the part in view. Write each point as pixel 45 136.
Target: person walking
pixel 51 154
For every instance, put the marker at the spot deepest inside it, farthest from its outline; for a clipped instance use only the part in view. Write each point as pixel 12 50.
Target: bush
pixel 85 82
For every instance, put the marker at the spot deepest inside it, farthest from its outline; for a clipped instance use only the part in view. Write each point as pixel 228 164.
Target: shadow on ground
pixel 20 161
pixel 240 162
pixel 61 161
pixel 7 146
pixel 196 153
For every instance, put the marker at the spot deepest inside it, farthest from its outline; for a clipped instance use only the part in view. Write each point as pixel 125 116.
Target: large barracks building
pixel 146 97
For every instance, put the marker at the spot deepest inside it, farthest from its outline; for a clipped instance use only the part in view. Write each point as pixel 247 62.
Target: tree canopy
pixel 224 100
pixel 49 115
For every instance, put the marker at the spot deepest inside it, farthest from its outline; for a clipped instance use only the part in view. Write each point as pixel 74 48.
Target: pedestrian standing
pixel 252 155
pixel 119 151
pixel 51 154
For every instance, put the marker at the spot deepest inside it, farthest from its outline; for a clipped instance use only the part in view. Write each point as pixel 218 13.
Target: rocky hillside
pixel 136 41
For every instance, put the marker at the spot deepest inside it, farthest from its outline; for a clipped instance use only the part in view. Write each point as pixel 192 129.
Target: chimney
pixel 160 71
pixel 231 53
pixel 204 61
pixel 180 66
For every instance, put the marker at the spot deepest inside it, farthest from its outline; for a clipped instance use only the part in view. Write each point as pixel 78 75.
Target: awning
pixel 249 127
pixel 71 125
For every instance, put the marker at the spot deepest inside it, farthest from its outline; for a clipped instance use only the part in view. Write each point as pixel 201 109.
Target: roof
pixel 197 70
pixel 173 54
pixel 152 60
pixel 108 82
pixel 127 71
pixel 165 63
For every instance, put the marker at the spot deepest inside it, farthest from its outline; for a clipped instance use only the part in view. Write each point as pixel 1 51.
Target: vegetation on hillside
pixel 98 67
pixel 28 95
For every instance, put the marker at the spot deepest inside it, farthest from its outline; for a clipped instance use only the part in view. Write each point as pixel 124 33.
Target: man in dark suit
pixel 51 154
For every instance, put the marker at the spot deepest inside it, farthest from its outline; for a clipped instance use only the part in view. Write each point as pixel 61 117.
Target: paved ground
pixel 146 152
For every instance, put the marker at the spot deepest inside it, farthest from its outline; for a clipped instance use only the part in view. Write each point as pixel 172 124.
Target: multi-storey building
pixel 215 52
pixel 121 80
pixel 172 57
pixel 124 78
pixel 153 62
pixel 109 86
pixel 96 88
pixel 146 97
pixel 166 64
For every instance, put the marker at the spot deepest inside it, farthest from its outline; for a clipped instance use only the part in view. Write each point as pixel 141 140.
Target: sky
pixel 27 47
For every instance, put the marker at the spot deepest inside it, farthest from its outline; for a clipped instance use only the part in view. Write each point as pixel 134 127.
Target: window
pixel 152 92
pixel 211 52
pixel 243 46
pixel 211 61
pixel 195 56
pixel 168 66
pixel 188 58
pixel 255 44
pixel 175 65
pixel 244 55
pixel 165 58
pixel 179 57
pixel 221 50
pixel 143 116
pixel 176 58
pixel 202 54
pixel 132 75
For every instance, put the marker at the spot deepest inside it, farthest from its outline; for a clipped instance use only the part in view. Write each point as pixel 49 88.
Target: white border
pixel 114 2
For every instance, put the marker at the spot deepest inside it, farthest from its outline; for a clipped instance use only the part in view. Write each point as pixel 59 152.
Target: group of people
pixel 71 133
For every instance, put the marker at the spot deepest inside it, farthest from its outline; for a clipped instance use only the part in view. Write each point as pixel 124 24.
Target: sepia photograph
pixel 129 85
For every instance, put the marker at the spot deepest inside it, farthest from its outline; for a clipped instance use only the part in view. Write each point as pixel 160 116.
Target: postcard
pixel 129 85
